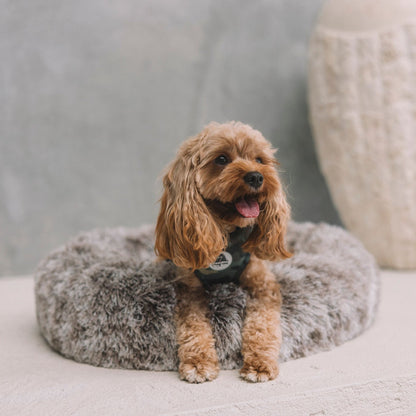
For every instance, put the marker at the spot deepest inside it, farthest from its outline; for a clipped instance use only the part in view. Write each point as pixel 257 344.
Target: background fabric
pixel 96 97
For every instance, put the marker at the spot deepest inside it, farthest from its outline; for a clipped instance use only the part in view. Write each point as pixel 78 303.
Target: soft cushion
pixel 103 299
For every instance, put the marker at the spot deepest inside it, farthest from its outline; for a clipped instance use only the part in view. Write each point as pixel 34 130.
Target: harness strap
pixel 230 264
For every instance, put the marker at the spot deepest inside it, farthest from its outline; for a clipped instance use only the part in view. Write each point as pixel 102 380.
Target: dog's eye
pixel 259 160
pixel 222 160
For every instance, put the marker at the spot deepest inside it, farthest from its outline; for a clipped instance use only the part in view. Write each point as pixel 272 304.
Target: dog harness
pixel 230 263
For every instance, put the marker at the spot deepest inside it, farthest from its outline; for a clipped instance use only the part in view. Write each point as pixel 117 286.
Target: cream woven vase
pixel 362 99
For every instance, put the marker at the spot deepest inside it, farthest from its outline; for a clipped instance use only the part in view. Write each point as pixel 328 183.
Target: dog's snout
pixel 254 179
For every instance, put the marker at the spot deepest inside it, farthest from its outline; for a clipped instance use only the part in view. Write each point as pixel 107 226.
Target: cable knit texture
pixel 102 299
pixel 362 94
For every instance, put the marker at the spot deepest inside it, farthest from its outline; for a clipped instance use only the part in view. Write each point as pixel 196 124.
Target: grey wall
pixel 95 96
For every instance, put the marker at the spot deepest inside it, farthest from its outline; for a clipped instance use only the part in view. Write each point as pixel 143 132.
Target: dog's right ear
pixel 186 232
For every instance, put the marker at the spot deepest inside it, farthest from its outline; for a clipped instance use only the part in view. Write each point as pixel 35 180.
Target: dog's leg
pixel 198 361
pixel 261 331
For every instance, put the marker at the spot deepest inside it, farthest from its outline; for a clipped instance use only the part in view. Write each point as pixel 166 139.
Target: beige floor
pixel 373 374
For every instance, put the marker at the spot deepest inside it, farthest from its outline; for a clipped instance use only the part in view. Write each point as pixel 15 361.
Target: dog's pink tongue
pixel 248 208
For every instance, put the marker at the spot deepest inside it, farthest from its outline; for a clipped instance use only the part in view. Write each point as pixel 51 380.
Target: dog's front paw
pixel 198 371
pixel 259 371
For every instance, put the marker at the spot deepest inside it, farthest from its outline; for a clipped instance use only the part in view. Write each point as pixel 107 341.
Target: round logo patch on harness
pixel 223 261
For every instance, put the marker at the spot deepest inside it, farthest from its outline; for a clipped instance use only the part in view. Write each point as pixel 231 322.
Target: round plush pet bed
pixel 102 299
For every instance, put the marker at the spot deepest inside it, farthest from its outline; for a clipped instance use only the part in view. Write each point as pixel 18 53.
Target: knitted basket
pixel 362 95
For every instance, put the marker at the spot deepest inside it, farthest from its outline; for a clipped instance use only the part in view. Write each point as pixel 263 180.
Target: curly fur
pixel 198 212
pixel 190 233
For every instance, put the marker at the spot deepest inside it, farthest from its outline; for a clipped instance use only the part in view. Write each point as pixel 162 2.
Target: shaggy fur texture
pixel 103 300
pixel 222 180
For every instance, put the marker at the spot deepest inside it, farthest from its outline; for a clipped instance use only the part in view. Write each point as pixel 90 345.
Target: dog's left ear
pixel 267 240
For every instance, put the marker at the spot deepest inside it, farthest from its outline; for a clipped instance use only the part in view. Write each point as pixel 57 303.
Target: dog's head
pixel 223 178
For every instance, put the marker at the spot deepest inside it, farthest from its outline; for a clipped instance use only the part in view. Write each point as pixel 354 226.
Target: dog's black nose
pixel 254 179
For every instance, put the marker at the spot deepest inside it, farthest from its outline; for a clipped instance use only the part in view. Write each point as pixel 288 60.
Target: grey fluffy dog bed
pixel 103 300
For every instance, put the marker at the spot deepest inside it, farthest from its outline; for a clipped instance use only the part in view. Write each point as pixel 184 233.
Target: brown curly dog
pixel 223 215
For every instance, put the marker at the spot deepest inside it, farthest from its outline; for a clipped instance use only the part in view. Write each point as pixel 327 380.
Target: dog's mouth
pixel 245 206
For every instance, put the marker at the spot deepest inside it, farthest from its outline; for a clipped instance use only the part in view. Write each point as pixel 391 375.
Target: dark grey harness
pixel 230 263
